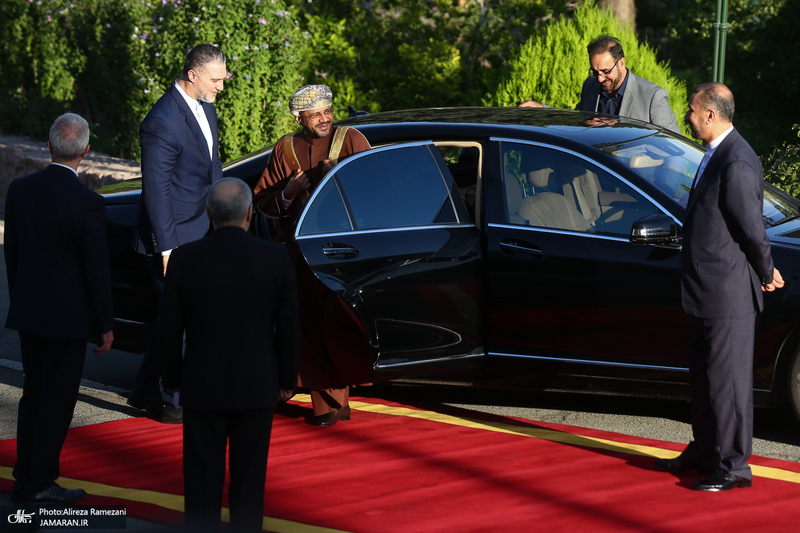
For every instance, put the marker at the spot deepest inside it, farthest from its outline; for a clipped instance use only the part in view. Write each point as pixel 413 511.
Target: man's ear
pixel 299 119
pixel 86 151
pixel 208 214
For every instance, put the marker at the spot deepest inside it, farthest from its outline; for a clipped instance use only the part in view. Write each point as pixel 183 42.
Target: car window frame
pixel 366 153
pixel 598 164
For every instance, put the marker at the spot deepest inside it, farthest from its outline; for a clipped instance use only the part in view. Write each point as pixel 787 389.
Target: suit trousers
pixel 329 400
pixel 721 384
pixel 206 434
pixel 53 369
pixel 147 381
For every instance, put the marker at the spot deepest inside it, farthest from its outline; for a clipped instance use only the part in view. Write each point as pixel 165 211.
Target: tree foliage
pixel 782 166
pixel 762 65
pixel 552 68
pixel 392 54
pixel 111 61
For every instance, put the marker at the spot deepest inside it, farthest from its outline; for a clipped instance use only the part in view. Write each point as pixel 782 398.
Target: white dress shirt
pixel 712 147
pixel 197 108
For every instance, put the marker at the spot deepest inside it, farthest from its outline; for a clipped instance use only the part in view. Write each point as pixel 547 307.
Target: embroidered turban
pixel 310 97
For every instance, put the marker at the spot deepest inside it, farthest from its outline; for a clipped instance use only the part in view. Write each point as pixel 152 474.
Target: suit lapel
pixel 194 126
pixel 628 98
pixel 710 172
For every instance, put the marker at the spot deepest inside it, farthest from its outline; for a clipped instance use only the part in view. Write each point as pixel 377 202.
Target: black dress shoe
pixel 721 480
pixel 152 406
pixel 681 464
pixel 55 494
pixel 330 419
pixel 16 492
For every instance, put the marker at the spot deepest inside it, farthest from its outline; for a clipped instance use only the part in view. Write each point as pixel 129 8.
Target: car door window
pixel 552 189
pixel 394 187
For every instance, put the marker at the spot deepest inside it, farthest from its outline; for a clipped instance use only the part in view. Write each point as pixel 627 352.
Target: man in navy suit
pixel 235 297
pixel 180 161
pixel 726 264
pixel 59 280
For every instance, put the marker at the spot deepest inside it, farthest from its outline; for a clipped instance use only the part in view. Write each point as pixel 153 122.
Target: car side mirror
pixel 658 229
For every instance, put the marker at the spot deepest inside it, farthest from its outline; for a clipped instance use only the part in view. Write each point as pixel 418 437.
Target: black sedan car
pixel 552 265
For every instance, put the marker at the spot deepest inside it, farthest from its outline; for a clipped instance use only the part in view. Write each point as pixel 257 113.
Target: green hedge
pixel 551 69
pixel 110 60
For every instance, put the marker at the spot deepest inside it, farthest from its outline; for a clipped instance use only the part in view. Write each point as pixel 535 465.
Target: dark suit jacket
pixel 235 296
pixel 642 100
pixel 56 253
pixel 726 251
pixel 177 172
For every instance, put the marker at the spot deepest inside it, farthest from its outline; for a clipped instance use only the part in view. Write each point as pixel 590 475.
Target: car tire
pixel 794 383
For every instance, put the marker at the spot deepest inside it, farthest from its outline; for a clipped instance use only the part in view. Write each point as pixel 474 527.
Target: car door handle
pixel 339 251
pixel 514 247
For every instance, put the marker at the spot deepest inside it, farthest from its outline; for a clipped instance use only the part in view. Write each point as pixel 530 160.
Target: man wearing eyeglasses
pixel 614 90
pixel 296 166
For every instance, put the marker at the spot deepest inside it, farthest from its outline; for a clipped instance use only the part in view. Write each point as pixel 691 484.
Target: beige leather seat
pixel 513 198
pixel 551 209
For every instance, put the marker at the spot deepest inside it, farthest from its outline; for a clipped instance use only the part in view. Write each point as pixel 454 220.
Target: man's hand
pixel 298 183
pixel 530 103
pixel 285 395
pixel 777 282
pixel 106 339
pixel 327 165
pixel 165 260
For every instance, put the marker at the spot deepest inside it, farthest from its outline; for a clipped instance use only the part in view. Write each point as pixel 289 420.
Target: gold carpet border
pixel 548 434
pixel 173 502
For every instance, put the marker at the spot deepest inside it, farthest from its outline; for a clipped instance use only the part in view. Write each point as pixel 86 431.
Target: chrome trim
pixel 595 163
pixel 587 362
pixel 383 230
pixel 559 232
pixel 350 159
pixel 428 361
pixel 134 322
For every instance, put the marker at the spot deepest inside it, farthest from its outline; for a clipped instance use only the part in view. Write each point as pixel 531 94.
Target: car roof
pixel 515 122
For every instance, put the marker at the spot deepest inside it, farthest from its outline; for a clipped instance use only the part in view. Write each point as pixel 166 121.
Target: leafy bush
pixel 551 69
pixel 111 60
pixel 394 54
pixel 782 166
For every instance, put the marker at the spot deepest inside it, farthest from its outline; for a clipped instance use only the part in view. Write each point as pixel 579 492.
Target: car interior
pixel 550 189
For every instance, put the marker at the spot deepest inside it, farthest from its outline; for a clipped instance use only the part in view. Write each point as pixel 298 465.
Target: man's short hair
pixel 716 96
pixel 200 56
pixel 69 137
pixel 228 201
pixel 606 43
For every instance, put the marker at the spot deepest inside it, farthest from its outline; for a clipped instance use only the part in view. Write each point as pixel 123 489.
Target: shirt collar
pixel 716 142
pixel 193 104
pixel 65 166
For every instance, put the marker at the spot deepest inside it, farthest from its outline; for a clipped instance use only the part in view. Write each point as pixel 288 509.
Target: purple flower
pixel 262 20
pixel 229 76
pixel 145 36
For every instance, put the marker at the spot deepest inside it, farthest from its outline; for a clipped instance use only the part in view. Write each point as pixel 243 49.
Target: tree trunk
pixel 624 10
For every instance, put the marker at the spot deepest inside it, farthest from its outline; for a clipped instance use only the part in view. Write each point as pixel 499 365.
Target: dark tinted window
pixel 392 188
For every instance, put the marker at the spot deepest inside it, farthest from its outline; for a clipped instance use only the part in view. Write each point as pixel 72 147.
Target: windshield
pixel 670 163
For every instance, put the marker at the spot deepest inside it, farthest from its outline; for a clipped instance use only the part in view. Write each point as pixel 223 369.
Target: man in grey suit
pixel 725 267
pixel 614 90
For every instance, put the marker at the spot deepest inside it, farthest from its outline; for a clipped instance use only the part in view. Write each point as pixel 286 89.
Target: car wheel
pixel 794 383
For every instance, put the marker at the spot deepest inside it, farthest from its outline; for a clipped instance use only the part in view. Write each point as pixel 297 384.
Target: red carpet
pixel 393 468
